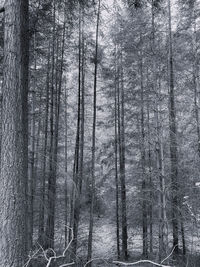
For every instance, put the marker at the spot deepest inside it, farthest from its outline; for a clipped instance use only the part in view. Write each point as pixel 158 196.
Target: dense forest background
pixel 100 133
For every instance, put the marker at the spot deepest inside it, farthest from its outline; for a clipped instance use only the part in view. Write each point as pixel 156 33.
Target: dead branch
pixel 96 259
pixel 141 261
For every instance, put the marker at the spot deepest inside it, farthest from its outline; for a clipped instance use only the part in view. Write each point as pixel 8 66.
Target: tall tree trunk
pixel 14 153
pixel 196 79
pixel 76 167
pixel 116 160
pixel 144 189
pixel 92 185
pixel 150 179
pixel 49 234
pixel 122 169
pixel 32 150
pixel 66 167
pixel 82 123
pixel 44 160
pixel 173 141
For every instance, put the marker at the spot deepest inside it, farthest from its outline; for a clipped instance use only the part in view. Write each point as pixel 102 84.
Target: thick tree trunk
pixel 173 141
pixel 14 154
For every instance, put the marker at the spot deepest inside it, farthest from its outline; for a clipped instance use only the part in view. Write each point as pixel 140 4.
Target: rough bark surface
pixel 13 182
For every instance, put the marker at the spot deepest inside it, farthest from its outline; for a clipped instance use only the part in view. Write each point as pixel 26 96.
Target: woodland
pixel 99 133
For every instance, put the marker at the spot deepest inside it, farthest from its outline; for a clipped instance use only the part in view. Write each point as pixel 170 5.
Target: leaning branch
pixel 2 9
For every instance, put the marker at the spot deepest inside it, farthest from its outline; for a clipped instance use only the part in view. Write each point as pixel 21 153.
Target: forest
pixel 99 133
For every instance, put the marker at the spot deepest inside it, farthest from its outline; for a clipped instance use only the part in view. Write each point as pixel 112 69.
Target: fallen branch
pixel 141 261
pixel 169 254
pixel 95 259
pixel 64 252
pixel 67 264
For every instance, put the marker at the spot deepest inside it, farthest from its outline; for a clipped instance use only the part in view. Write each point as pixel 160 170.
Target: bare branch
pixel 96 259
pixel 169 254
pixel 30 258
pixel 67 264
pixel 141 261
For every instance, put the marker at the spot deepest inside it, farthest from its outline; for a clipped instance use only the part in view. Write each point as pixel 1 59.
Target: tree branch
pixel 141 261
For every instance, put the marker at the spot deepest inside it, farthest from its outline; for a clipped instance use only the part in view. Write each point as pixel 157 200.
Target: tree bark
pixel 14 154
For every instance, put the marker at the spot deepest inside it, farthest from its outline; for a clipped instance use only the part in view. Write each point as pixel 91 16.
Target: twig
pixel 44 253
pixel 30 258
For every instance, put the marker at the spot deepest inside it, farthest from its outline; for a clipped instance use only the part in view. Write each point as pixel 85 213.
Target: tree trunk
pixel 116 160
pixel 92 185
pixel 122 169
pixel 44 160
pixel 144 195
pixel 14 154
pixel 82 122
pixel 32 150
pixel 66 168
pixel 173 141
pixel 49 234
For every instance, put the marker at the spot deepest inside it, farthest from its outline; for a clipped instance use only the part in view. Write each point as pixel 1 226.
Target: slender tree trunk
pixel 116 160
pixel 82 122
pixel 44 159
pixel 32 151
pixel 92 185
pixel 76 167
pixel 122 169
pixel 150 182
pixel 173 141
pixel 196 80
pixel 66 167
pixel 49 234
pixel 183 237
pixel 144 196
pixel 14 153
pixel 162 170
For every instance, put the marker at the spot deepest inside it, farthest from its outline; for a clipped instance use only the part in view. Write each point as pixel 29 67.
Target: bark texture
pixel 14 154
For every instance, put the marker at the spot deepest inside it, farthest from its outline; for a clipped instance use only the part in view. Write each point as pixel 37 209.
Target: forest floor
pixel 104 245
